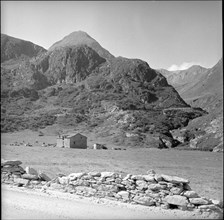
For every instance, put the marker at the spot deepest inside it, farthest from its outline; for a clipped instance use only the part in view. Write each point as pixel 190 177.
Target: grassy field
pixel 203 169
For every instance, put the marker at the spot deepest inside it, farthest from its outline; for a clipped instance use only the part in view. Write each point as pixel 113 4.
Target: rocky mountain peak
pixel 81 38
pixel 75 38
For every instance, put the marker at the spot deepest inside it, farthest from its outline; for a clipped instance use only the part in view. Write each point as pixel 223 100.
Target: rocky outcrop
pixel 72 64
pixel 149 189
pixel 202 134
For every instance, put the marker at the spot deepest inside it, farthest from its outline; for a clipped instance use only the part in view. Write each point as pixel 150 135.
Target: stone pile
pixel 151 189
pixel 13 173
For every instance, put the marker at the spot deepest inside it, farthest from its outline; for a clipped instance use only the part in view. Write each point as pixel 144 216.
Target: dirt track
pixel 28 204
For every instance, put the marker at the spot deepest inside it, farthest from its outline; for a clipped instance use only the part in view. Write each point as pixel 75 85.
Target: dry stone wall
pixel 151 189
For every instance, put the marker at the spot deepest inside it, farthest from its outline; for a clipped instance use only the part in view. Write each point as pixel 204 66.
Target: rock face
pixel 158 190
pixel 12 48
pixel 70 64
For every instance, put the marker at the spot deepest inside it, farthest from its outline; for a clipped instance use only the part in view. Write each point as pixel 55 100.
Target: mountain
pixel 208 91
pixel 198 86
pixel 182 80
pixel 81 38
pixel 122 99
pixel 12 48
pixel 203 88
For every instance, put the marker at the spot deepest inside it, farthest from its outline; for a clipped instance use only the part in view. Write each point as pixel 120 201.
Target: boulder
pixel 31 171
pixel 156 187
pixel 142 184
pixel 137 177
pixel 149 178
pixel 144 200
pixel 74 176
pixel 174 179
pixel 64 180
pixel 217 202
pixel 10 162
pixel 30 177
pixel 176 200
pixel 153 141
pixel 152 194
pixel 87 177
pixel 94 174
pixel 198 201
pixel 16 175
pixel 86 190
pixel 194 142
pixel 179 135
pixel 118 180
pixel 107 174
pixel 158 177
pixel 56 186
pixel 170 185
pixel 165 206
pixel 168 143
pixel 190 194
pixel 44 177
pixel 176 190
pixel 79 182
pixel 187 187
pixel 21 181
pixel 210 207
pixel 124 195
pixel 218 148
pixel 13 169
pixel 128 176
pixel 163 183
pixel 111 188
pixel 60 174
pixel 150 172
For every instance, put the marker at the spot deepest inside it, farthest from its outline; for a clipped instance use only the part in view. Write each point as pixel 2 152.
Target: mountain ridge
pixel 197 82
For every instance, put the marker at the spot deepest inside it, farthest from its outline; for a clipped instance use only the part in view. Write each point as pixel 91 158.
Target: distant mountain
pixel 182 80
pixel 207 93
pixel 14 48
pixel 81 38
pixel 198 86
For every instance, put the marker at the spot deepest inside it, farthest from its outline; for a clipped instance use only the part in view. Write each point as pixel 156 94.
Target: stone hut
pixel 72 141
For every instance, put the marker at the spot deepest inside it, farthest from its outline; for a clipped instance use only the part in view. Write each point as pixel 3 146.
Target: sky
pixel 166 34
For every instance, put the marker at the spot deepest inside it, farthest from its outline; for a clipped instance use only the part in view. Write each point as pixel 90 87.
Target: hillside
pixel 76 84
pixel 14 48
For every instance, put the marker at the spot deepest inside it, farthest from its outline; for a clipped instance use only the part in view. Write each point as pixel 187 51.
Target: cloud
pixel 183 66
